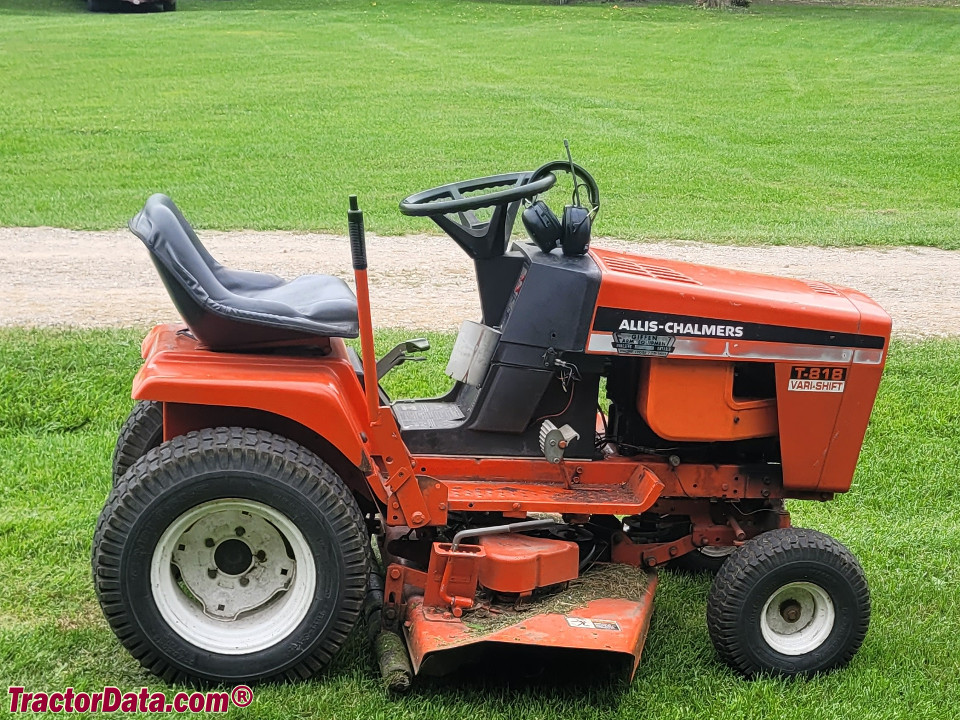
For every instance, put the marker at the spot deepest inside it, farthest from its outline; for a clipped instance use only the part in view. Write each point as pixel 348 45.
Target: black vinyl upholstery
pixel 232 309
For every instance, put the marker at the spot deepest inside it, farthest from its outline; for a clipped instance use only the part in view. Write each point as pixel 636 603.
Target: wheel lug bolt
pixel 240 531
pixel 211 573
pixel 209 542
pixel 244 581
pixel 261 555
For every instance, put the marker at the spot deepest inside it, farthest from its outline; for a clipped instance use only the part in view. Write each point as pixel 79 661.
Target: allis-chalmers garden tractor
pixel 610 415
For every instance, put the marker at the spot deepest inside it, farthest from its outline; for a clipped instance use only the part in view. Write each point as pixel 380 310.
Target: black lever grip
pixel 358 243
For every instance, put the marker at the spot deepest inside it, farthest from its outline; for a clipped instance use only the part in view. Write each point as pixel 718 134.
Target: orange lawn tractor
pixel 609 415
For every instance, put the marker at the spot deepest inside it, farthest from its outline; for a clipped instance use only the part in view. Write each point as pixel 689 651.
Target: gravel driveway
pixel 99 279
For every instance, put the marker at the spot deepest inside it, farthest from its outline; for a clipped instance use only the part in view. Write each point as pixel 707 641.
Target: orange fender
pixel 319 392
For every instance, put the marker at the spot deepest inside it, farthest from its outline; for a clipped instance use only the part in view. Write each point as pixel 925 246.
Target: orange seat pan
pixel 521 564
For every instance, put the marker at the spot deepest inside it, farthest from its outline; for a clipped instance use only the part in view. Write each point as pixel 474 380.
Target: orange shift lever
pixel 358 249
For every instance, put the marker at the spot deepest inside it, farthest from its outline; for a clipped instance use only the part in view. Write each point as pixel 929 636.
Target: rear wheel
pixel 231 555
pixel 141 433
pixel 789 602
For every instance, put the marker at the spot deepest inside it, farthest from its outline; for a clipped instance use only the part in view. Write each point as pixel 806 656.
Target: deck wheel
pixel 789 602
pixel 706 560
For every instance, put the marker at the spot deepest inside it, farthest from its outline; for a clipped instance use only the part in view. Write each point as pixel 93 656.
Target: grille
pixel 632 267
pixel 820 287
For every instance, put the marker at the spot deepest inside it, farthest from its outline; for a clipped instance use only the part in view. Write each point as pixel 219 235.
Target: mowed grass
pixel 783 123
pixel 64 394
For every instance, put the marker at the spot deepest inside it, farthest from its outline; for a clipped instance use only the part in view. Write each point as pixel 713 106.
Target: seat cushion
pixel 199 285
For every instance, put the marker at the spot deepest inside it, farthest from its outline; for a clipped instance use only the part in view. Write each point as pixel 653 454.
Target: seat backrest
pixel 193 278
pixel 175 246
pixel 230 309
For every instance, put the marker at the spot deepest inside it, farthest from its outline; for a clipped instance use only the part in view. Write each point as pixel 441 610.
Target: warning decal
pixel 577 622
pixel 805 378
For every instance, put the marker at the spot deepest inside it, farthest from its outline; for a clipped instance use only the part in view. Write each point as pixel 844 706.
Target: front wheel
pixel 789 602
pixel 231 555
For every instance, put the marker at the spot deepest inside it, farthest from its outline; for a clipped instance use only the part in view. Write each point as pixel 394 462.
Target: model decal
pixel 617 320
pixel 828 386
pixel 804 378
pixel 631 343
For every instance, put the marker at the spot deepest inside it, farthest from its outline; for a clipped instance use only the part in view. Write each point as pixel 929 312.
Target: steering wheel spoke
pixel 459 197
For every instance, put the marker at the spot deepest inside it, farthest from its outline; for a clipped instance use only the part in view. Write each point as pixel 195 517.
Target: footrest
pixel 634 496
pixel 427 415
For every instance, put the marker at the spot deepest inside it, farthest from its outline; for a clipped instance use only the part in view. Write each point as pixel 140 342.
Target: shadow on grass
pixel 76 7
pixel 514 672
pixel 118 7
pixel 123 7
pixel 42 7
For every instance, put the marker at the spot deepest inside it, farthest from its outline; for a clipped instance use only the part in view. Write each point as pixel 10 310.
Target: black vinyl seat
pixel 234 309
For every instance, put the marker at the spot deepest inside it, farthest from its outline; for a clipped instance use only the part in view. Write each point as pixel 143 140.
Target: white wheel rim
pixel 228 599
pixel 797 618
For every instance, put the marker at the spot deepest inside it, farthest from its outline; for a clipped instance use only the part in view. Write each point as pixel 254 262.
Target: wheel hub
pixel 233 562
pixel 790 611
pixel 797 618
pixel 233 557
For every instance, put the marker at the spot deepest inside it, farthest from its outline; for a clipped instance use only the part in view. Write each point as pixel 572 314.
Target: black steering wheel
pixel 451 207
pixel 452 198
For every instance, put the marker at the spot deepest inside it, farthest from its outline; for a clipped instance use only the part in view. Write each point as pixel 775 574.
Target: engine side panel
pixel 828 346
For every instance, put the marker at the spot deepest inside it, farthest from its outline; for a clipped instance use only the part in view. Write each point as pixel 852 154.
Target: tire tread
pixel 138 435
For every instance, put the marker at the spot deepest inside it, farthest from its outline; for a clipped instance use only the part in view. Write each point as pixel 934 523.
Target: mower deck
pixel 605 610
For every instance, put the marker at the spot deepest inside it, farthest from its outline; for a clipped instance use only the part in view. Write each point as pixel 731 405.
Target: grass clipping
pixel 604 580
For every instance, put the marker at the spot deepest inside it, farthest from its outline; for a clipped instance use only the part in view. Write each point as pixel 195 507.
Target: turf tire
pixel 141 433
pixel 214 464
pixel 760 569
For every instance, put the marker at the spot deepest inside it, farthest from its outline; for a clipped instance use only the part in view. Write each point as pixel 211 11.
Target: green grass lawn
pixel 63 395
pixel 784 123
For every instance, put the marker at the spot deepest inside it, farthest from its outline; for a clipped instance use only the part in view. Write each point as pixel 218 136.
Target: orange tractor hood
pixel 637 291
